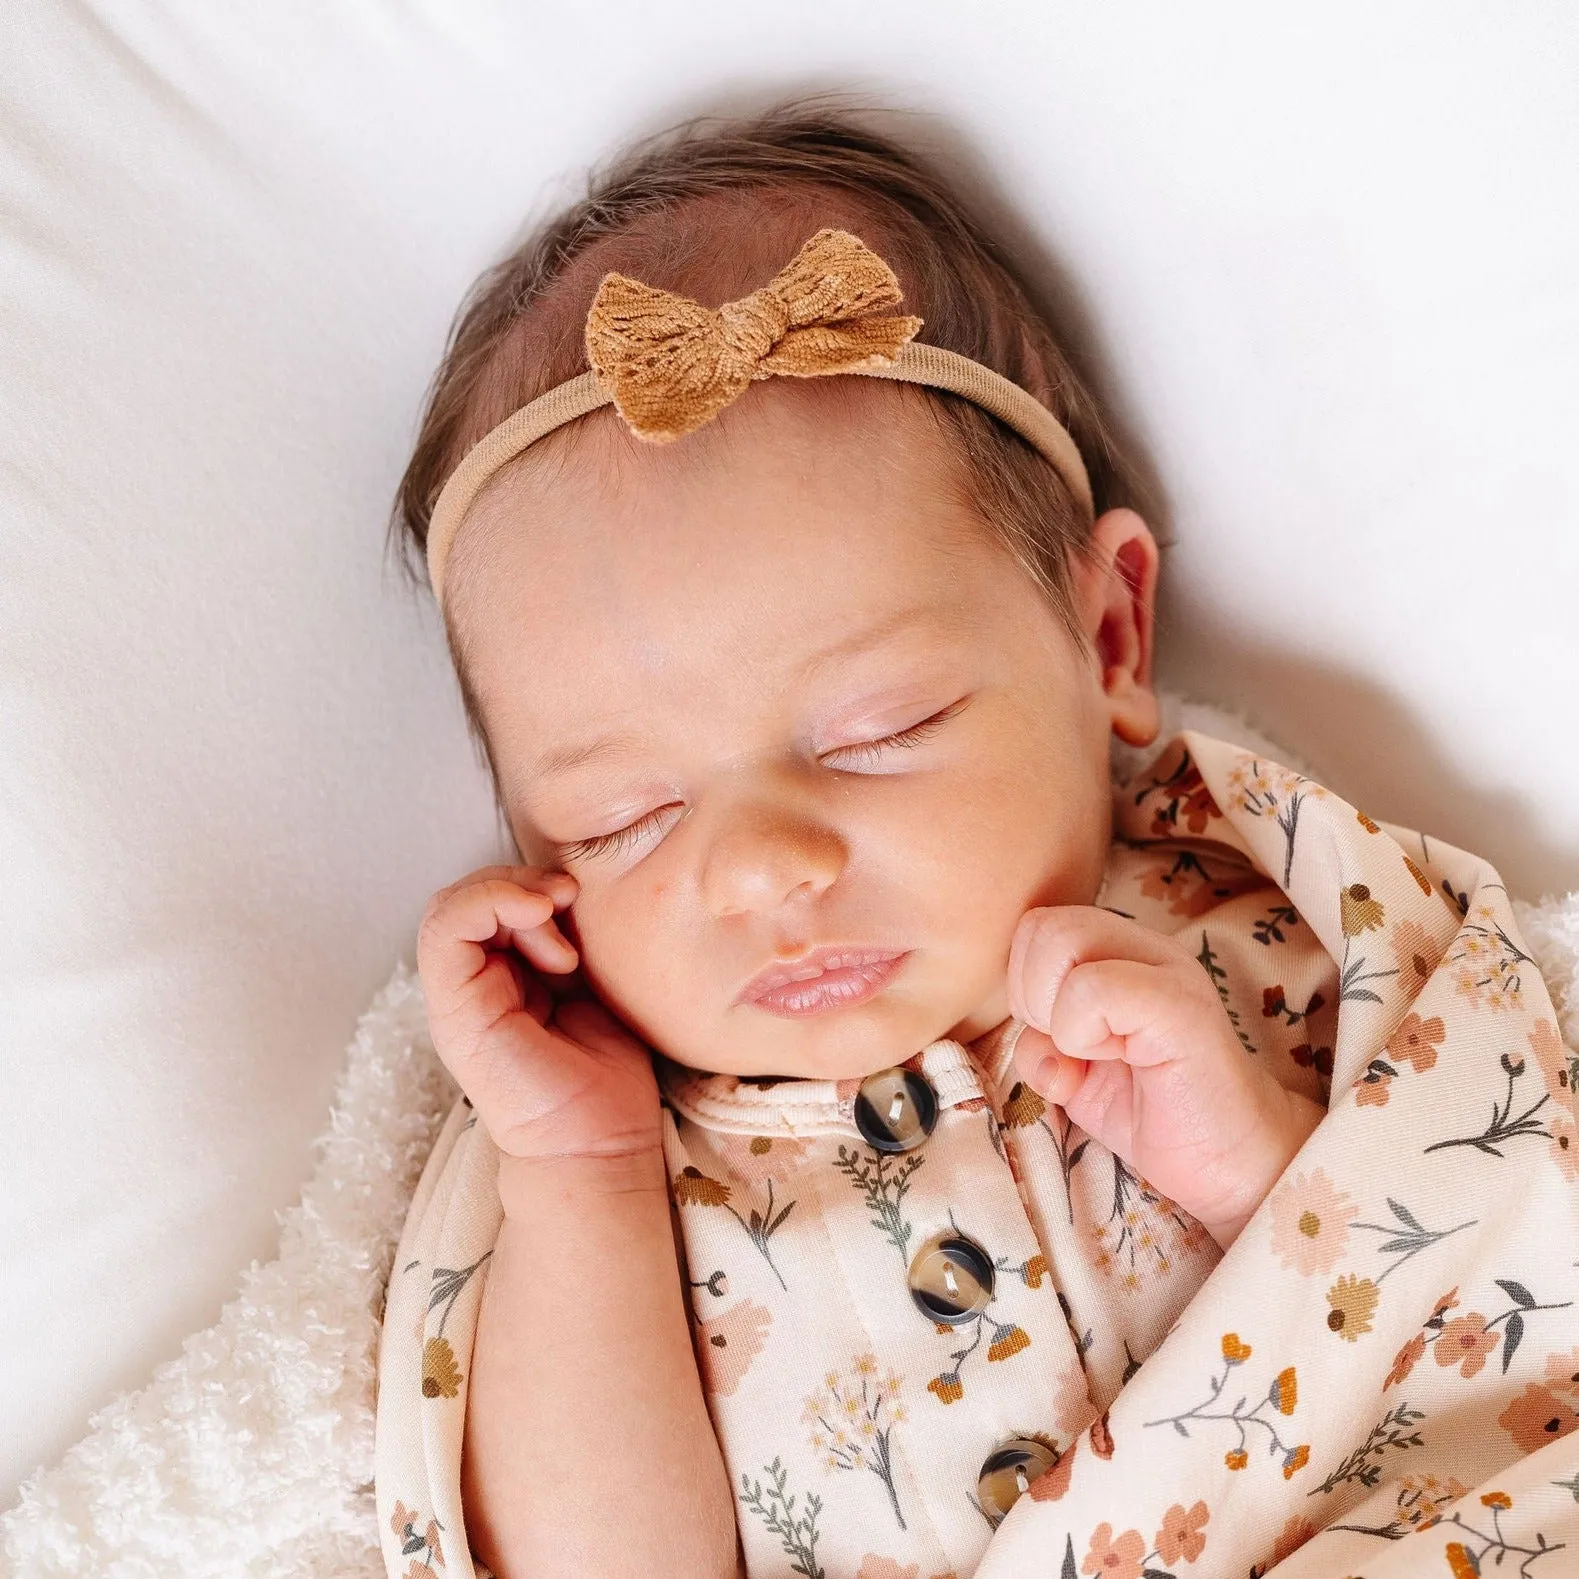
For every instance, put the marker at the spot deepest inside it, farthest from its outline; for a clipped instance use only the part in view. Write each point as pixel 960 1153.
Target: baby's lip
pixel 814 963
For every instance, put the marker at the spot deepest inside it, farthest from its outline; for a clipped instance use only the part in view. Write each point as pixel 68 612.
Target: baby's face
pixel 774 689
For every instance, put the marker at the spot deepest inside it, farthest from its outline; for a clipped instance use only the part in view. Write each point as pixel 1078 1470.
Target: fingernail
pixel 1045 1073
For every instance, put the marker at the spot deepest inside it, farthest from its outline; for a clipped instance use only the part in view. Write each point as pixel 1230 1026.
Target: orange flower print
pixel 1459 1562
pixel 1100 1436
pixel 1496 1499
pixel 1416 1042
pixel 1537 1416
pixel 1465 1342
pixel 1292 1536
pixel 1114 1558
pixel 1285 1392
pixel 1366 823
pixel 1180 1535
pixel 1295 1461
pixel 947 1388
pixel 1237 1459
pixel 728 1344
pixel 1416 954
pixel 1353 1302
pixel 1310 1223
pixel 1419 877
pixel 1405 1360
pixel 1009 1341
pixel 1234 1351
pixel 1034 1271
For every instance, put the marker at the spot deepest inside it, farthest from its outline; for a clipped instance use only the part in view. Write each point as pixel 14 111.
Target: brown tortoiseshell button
pixel 951 1279
pixel 1008 1471
pixel 896 1109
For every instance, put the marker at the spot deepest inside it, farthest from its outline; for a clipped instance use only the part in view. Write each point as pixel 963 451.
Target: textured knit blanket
pixel 1402 1377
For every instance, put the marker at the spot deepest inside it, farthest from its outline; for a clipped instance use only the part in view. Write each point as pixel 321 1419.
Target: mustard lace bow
pixel 671 364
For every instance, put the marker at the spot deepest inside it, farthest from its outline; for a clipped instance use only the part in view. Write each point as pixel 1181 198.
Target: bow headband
pixel 669 364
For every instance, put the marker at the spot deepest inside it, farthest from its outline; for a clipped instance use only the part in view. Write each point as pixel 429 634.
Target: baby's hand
pixel 583 1087
pixel 1126 1033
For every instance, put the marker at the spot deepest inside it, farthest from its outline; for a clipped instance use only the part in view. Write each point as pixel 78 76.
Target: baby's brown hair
pixel 712 208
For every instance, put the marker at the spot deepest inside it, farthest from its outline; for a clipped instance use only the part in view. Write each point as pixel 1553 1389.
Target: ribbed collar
pixel 958 1071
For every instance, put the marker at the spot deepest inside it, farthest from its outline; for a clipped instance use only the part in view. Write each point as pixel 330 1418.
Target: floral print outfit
pixel 916 1297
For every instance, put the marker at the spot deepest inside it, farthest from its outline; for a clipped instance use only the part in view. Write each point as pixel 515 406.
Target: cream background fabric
pixel 1332 260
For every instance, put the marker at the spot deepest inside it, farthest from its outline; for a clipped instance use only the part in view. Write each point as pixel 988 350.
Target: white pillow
pixel 1334 263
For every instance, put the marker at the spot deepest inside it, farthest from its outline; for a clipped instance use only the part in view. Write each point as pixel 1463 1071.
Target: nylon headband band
pixel 915 364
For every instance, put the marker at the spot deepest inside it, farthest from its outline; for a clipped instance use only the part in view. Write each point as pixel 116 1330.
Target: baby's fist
pixel 547 1080
pixel 1126 1033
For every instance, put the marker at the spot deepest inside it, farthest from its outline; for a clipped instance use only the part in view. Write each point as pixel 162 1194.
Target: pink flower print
pixel 1556 1062
pixel 728 1344
pixel 1372 1090
pixel 1072 1406
pixel 1565 1144
pixel 873 1567
pixel 1414 953
pixel 1416 1042
pixel 1114 1558
pixel 1310 1223
pixel 1465 1339
pixel 1562 1373
pixel 754 1159
pixel 1180 1535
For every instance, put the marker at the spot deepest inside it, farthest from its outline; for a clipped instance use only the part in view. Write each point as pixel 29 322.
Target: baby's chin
pixel 839 1044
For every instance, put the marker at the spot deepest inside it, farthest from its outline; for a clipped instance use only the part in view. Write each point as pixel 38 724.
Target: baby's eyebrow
pixel 917 616
pixel 554 764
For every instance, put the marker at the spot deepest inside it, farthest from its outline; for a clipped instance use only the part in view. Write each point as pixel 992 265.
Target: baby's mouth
pixel 824 979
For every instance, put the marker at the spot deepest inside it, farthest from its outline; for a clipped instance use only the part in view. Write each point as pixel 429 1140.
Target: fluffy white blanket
pixel 252 1453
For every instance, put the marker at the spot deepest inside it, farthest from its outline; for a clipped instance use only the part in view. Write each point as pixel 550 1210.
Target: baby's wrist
pixel 529 1186
pixel 1293 1120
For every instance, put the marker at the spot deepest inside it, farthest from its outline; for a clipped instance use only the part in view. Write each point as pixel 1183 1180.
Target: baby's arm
pixel 1127 1034
pixel 587 1448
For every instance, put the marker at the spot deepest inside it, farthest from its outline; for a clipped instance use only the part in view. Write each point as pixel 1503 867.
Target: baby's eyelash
pixel 621 838
pixel 906 737
pixel 606 843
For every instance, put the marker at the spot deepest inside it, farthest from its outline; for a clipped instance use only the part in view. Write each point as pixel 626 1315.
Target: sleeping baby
pixel 859 1081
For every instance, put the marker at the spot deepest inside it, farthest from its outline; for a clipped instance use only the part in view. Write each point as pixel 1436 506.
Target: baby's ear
pixel 1115 590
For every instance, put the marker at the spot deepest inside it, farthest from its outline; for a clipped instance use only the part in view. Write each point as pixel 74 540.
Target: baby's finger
pixel 1049 942
pixel 561 887
pixel 450 942
pixel 1121 1008
pixel 1047 1071
pixel 546 947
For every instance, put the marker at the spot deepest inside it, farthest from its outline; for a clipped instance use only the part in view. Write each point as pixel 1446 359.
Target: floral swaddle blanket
pixel 1380 1376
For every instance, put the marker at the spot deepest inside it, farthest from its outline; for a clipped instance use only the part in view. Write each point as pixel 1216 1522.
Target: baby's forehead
pixel 833 463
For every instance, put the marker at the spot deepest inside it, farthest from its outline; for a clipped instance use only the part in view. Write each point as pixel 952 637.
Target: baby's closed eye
pixel 867 752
